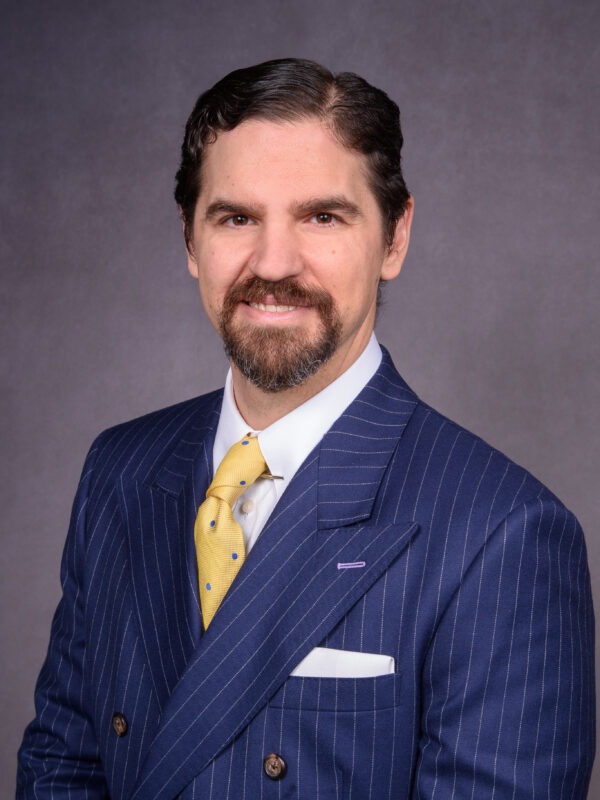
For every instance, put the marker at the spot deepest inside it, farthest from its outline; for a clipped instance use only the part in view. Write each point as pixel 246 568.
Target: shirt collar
pixel 287 442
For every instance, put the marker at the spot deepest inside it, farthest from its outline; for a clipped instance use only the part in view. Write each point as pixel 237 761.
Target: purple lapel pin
pixel 351 564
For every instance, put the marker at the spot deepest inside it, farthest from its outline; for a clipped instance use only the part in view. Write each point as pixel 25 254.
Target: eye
pixel 237 220
pixel 324 218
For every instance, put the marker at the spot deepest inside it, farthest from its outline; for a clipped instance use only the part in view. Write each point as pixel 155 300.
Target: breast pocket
pixel 335 734
pixel 338 694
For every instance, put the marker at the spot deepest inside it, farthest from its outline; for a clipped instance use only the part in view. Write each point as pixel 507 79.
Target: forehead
pixel 265 158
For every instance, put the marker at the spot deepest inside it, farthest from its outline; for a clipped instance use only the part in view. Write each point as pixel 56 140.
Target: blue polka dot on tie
pixel 246 442
pixel 208 586
pixel 234 556
pixel 242 483
pixel 212 523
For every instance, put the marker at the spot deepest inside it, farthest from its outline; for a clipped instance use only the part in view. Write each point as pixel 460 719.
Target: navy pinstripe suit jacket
pixel 475 581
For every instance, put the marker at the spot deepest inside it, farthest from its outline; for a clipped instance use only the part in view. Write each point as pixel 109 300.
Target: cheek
pixel 336 265
pixel 213 273
pixel 220 266
pixel 211 293
pixel 354 282
pixel 358 298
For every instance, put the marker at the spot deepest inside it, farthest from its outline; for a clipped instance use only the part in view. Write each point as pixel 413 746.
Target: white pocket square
pixel 326 662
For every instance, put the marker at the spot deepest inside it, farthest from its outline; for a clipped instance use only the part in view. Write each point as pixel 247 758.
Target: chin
pixel 275 358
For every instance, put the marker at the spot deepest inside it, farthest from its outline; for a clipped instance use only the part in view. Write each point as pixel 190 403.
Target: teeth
pixel 272 308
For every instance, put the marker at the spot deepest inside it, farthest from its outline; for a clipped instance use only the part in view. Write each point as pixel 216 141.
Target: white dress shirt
pixel 286 443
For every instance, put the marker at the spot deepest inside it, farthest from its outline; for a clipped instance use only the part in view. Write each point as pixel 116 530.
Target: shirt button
pixel 274 767
pixel 247 506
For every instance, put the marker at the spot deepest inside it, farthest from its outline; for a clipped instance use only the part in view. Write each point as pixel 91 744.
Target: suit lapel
pixel 291 590
pixel 355 453
pixel 160 508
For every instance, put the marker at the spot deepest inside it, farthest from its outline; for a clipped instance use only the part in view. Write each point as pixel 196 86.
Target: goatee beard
pixel 272 358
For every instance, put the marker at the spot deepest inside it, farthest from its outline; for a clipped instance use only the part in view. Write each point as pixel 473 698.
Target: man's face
pixel 288 248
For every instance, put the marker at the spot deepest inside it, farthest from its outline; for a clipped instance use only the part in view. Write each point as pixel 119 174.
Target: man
pixel 309 584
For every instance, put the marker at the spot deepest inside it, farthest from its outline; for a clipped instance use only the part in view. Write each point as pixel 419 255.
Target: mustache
pixel 286 292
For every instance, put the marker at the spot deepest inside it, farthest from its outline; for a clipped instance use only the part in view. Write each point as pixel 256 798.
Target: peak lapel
pixel 291 590
pixel 356 452
pixel 160 507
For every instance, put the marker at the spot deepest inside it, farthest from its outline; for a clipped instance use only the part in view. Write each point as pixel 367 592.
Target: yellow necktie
pixel 220 548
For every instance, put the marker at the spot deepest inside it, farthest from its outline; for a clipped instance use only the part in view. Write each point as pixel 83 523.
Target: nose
pixel 277 253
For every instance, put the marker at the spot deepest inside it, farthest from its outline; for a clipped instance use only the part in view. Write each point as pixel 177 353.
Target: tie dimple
pixel 220 549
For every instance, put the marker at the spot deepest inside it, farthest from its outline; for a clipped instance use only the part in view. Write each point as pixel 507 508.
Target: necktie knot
pixel 242 465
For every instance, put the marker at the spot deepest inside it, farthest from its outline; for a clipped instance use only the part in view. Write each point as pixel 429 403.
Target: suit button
pixel 274 767
pixel 119 723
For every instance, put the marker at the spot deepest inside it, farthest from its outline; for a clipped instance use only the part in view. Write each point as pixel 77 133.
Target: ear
pixel 192 265
pixel 397 253
pixel 191 258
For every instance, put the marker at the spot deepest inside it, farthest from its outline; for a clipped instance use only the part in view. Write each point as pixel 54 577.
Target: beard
pixel 271 358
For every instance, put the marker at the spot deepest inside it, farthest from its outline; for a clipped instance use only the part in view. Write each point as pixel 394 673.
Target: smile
pixel 272 308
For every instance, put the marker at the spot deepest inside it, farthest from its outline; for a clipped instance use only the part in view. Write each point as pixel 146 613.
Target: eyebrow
pixel 335 203
pixel 228 207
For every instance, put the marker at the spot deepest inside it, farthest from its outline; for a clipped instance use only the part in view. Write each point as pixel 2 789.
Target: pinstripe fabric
pixel 475 581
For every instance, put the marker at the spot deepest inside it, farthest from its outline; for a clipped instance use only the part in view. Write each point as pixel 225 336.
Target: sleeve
pixel 59 755
pixel 508 683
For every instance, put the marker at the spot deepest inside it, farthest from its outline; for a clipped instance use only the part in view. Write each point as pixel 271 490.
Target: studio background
pixel 494 319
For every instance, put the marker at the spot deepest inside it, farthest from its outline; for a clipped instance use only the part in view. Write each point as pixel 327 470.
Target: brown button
pixel 274 767
pixel 119 723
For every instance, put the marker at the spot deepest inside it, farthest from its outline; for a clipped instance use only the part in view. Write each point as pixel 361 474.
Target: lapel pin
pixel 351 564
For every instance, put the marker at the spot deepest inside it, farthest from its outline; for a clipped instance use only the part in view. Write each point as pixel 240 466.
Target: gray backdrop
pixel 494 319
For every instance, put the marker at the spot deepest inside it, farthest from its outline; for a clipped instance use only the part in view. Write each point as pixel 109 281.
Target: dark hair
pixel 360 116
